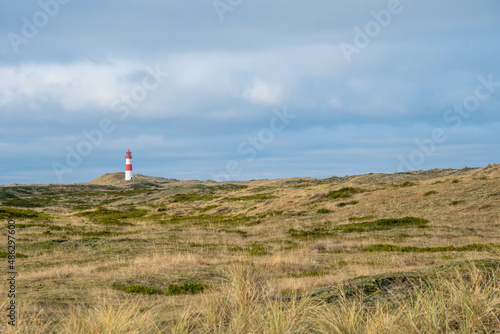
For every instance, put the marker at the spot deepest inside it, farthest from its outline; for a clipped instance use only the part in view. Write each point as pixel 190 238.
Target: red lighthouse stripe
pixel 128 167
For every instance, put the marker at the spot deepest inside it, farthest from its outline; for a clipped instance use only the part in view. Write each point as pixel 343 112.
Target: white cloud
pixel 335 102
pixel 263 92
pixel 200 84
pixel 75 87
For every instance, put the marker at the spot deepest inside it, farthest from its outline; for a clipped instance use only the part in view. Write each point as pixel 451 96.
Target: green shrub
pixel 193 197
pixel 251 197
pixel 257 249
pixel 403 185
pixel 236 249
pixel 136 288
pixel 297 213
pixel 340 205
pixel 35 202
pixel 394 248
pixel 33 225
pixel 361 218
pixel 208 208
pixel 314 233
pixel 343 192
pixel 240 232
pixel 11 213
pixel 384 224
pixel 317 272
pixel 206 246
pixel 4 255
pixel 457 202
pixel 230 186
pixel 96 234
pixel 188 288
pixel 202 219
pixel 432 192
pixel 256 222
pixel 455 181
pixel 31 197
pixel 291 245
pixel 324 211
pixel 112 217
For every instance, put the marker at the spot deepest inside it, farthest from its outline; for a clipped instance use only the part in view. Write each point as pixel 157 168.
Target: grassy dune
pixel 415 252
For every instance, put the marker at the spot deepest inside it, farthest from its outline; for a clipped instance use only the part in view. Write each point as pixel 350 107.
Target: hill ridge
pixel 491 170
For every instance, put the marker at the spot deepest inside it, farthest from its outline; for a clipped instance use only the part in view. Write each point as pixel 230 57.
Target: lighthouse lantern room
pixel 128 166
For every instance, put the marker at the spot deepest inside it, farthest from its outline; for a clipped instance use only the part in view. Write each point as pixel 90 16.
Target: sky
pixel 246 89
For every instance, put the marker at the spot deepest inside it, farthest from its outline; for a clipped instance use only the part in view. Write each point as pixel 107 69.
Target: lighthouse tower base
pixel 128 175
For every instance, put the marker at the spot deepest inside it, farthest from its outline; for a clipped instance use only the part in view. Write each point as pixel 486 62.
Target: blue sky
pixel 240 89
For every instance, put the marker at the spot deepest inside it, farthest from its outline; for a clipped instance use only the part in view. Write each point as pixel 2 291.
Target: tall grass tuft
pixel 468 301
pixel 465 300
pixel 31 319
pixel 110 317
pixel 459 299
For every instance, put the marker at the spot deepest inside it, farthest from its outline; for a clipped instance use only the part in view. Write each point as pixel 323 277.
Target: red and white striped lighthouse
pixel 128 166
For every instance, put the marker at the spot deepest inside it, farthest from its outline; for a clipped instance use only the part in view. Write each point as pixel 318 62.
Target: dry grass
pixel 466 302
pixel 261 278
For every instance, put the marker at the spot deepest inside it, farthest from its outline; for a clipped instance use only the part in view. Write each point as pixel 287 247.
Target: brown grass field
pixel 415 252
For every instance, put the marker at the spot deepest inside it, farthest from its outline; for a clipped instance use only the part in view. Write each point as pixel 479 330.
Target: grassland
pixel 415 252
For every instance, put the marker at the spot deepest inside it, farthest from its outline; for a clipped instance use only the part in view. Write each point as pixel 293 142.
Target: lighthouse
pixel 128 166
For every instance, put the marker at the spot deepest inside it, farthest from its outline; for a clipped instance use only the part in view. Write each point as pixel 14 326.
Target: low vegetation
pixel 340 205
pixel 136 288
pixel 208 208
pixel 379 253
pixel 310 234
pixel 403 185
pixel 255 197
pixel 171 290
pixel 345 192
pixel 255 249
pixel 13 213
pixel 4 255
pixel 384 224
pixel 361 218
pixel 192 197
pixel 112 217
pixel 187 288
pixel 393 248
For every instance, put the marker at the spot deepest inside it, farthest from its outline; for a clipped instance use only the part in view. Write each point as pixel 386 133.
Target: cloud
pixel 335 102
pixel 197 81
pixel 263 92
pixel 75 87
